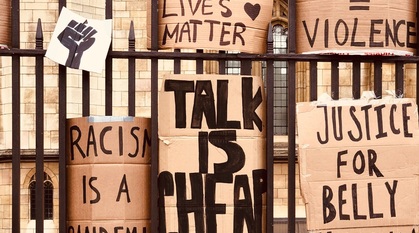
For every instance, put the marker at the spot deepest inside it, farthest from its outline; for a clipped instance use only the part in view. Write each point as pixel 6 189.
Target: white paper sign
pixel 80 43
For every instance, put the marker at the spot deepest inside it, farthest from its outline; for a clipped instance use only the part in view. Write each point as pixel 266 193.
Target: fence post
pixel 39 89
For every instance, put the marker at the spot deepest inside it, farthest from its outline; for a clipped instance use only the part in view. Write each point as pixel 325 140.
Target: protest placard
pixel 108 174
pixel 220 25
pixel 359 165
pixel 356 27
pixel 212 161
pixel 80 43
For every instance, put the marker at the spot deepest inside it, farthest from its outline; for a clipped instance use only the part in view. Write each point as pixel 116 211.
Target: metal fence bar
pixel 222 64
pixel 85 93
pixel 356 79
pixel 399 79
pixel 62 121
pixel 15 118
pixel 313 80
pixel 177 64
pixel 39 89
pixel 269 83
pixel 291 115
pixel 199 63
pixel 108 67
pixel 335 80
pixel 131 72
pixel 154 119
pixel 246 67
pixel 378 72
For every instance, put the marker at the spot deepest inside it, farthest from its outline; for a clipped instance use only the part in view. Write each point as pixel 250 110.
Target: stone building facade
pixel 125 11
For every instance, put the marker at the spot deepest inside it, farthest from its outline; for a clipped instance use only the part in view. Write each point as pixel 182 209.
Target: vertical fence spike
pixel 39 36
pixel 131 37
pixel 270 41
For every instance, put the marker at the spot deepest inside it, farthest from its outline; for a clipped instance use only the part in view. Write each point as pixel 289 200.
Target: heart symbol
pixel 252 10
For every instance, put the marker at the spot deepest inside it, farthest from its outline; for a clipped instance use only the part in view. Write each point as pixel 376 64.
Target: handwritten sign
pixel 212 163
pixel 221 25
pixel 359 165
pixel 356 27
pixel 80 43
pixel 108 174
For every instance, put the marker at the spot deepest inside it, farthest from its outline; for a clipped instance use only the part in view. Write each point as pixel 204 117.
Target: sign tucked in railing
pixel 220 25
pixel 212 161
pixel 359 165
pixel 108 174
pixel 356 27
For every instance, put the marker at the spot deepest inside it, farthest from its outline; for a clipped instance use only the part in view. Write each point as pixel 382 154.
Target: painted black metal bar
pixel 246 67
pixel 335 80
pixel 154 119
pixel 399 80
pixel 39 132
pixel 85 93
pixel 221 64
pixel 15 118
pixel 62 150
pixel 229 56
pixel 378 77
pixel 269 84
pixel 356 79
pixel 108 67
pixel 62 119
pixel 291 145
pixel 313 80
pixel 177 63
pixel 199 62
pixel 291 115
pixel 131 72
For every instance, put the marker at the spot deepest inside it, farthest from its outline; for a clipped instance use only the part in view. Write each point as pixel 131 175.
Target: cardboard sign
pixel 220 25
pixel 356 27
pixel 80 43
pixel 108 174
pixel 359 165
pixel 212 161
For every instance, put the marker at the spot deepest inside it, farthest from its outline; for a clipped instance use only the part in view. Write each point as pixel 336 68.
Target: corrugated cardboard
pixel 220 25
pixel 370 181
pixel 108 174
pixel 376 27
pixel 203 183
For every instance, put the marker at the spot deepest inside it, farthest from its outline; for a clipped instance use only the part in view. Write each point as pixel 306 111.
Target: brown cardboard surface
pixel 214 168
pixel 398 229
pixel 358 27
pixel 307 112
pixel 93 192
pixel 175 149
pixel 405 199
pixel 221 25
pixel 233 110
pixel 370 183
pixel 223 224
pixel 108 140
pixel 109 226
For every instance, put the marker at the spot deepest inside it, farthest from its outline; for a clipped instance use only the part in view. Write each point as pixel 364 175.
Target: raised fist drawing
pixel 77 38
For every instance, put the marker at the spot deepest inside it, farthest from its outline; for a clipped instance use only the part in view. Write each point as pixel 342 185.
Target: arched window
pixel 280 46
pixel 48 197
